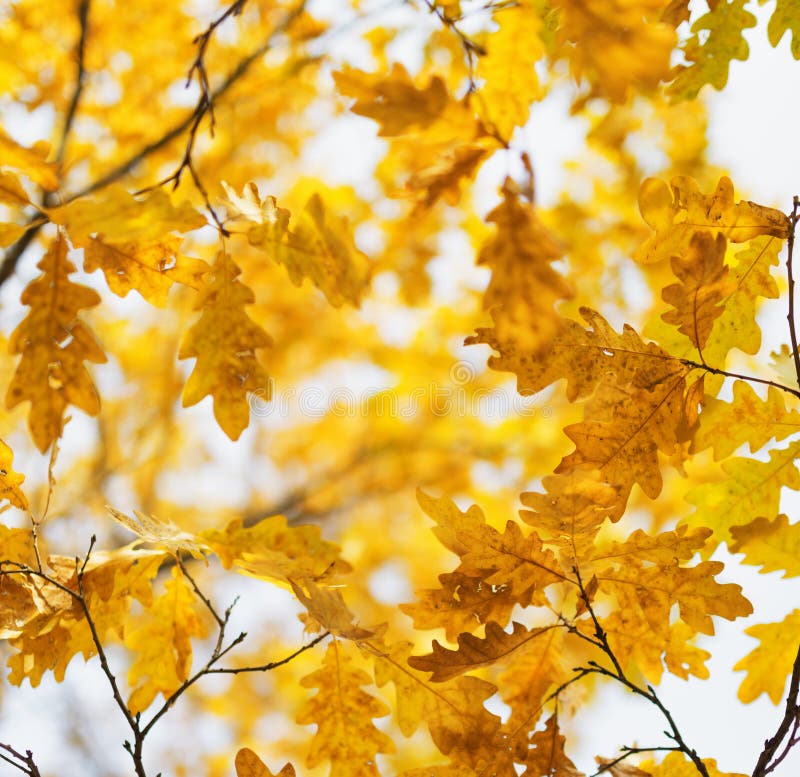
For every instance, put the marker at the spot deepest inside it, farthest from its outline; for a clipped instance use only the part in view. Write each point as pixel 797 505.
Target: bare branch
pixel 768 760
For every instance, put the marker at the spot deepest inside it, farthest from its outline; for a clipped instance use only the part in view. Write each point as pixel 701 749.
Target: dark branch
pixel 80 77
pixel 789 258
pixel 767 761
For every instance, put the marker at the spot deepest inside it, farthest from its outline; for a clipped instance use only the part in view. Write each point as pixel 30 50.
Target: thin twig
pixel 789 257
pixel 26 763
pixel 272 664
pixel 740 376
pixel 765 763
pixel 80 78
pixel 627 752
pixel 648 693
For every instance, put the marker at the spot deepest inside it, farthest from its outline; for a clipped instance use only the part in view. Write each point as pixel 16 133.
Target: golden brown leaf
pixel 225 341
pixel 54 342
pixel 703 286
pixel 343 714
pixel 248 764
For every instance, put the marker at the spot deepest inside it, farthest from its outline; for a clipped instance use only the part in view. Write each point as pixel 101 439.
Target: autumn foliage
pixel 288 339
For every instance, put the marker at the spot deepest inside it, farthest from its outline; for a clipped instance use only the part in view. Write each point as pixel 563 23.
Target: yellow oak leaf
pixel 149 267
pixel 704 282
pixel 507 68
pixel 678 211
pixel 785 18
pixel 10 233
pixel 224 341
pixel 583 357
pixel 54 343
pixel 443 178
pixel 547 757
pixel 726 426
pixel 272 548
pixel 772 545
pixel 318 245
pixel 474 652
pixel 328 611
pixel 50 638
pixel 248 764
pixel 11 191
pixel 716 40
pixel 162 533
pixel 619 46
pixel 509 562
pixel 570 512
pixel 768 665
pixel 532 672
pixel 29 161
pixel 162 644
pixel 749 488
pixel 460 726
pixel 625 429
pixel 10 481
pixel 118 217
pixel 750 279
pixel 524 287
pixel 678 765
pixel 343 714
pixel 393 100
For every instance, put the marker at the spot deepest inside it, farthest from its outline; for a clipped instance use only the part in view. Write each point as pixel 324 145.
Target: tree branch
pixel 791 318
pixel 791 720
pixel 24 763
pixel 619 675
pixel 80 77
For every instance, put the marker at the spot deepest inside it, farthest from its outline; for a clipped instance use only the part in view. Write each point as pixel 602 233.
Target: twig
pixel 627 752
pixel 272 664
pixel 244 65
pixel 765 763
pixel 24 763
pixel 648 693
pixel 80 77
pixel 740 376
pixel 789 257
pixel 471 48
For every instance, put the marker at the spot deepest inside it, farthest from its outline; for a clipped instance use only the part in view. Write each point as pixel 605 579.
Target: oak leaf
pixel 162 533
pixel 273 548
pixel 248 764
pixel 547 757
pixel 770 544
pixel 785 18
pixel 747 418
pixel 582 357
pixel 678 211
pixel 224 340
pixel 54 342
pixel 318 245
pixel 716 40
pixel 507 68
pixel 703 286
pixel 473 652
pixel 162 644
pixel 453 710
pixel 393 100
pixel 29 161
pixel 343 714
pixel 328 611
pixel 750 488
pixel 10 481
pixel 524 287
pixel 768 665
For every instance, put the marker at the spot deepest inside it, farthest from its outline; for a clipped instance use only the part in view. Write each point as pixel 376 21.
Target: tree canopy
pixel 288 340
